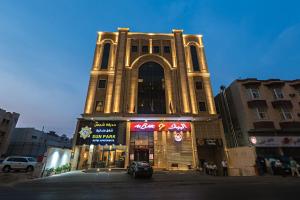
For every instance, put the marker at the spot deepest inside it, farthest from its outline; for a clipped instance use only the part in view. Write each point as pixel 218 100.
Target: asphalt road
pixel 119 185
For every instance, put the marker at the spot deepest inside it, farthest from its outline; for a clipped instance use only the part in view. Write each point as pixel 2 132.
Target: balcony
pixel 290 125
pixel 274 83
pixel 279 103
pixel 264 125
pixel 250 82
pixel 253 103
pixel 295 83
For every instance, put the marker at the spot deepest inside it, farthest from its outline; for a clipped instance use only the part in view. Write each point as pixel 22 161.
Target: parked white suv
pixel 18 163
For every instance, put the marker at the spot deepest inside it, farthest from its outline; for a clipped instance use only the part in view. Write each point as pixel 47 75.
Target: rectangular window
pixel 199 85
pixel 102 83
pixel 99 106
pixel 155 49
pixel 285 113
pixel 21 160
pixel 105 56
pixel 261 113
pixel 145 49
pixel 167 49
pixel 134 48
pixel 254 93
pixel 277 92
pixel 298 90
pixel 194 56
pixel 202 106
pixel 34 137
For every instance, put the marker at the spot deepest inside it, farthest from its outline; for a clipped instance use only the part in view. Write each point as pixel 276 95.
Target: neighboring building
pixel 32 142
pixel 149 99
pixel 262 113
pixel 8 122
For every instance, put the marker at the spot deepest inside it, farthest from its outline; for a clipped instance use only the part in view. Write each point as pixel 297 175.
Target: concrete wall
pixel 8 122
pixel 241 161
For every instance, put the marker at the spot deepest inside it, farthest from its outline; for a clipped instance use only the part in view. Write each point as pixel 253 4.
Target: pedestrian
pixel 279 168
pixel 214 169
pixel 208 168
pixel 225 168
pixel 205 166
pixel 269 166
pixel 294 167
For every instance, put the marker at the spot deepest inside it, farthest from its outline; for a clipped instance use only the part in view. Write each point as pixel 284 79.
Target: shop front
pixel 276 146
pixel 100 144
pixel 115 144
pixel 165 145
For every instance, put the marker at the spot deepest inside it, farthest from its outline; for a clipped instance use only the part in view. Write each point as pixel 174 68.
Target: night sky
pixel 46 47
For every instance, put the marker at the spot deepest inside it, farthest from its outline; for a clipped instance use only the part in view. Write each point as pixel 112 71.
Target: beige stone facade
pixel 114 95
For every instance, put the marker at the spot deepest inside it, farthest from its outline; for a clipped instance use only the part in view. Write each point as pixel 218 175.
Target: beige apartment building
pixel 8 122
pixel 149 99
pixel 264 114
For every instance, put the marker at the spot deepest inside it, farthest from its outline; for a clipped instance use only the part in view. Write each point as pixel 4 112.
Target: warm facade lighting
pixel 171 117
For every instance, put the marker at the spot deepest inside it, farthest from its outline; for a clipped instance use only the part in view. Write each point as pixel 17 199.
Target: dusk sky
pixel 46 47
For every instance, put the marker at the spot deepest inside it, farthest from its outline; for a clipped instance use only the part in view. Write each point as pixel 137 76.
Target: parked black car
pixel 140 168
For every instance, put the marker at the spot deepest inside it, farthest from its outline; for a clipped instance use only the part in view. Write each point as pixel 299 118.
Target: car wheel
pixel 29 169
pixel 6 169
pixel 134 175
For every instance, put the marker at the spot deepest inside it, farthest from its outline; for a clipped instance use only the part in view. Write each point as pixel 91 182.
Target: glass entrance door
pixel 141 155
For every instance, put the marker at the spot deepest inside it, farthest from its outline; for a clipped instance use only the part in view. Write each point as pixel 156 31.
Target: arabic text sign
pixel 276 141
pixel 160 126
pixel 98 133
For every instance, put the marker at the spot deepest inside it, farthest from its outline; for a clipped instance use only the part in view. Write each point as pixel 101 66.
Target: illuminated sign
pixel 160 126
pixel 178 136
pixel 275 141
pixel 103 133
pixel 253 140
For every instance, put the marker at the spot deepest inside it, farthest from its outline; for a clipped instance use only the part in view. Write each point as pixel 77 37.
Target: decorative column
pixel 89 103
pixel 127 153
pixel 182 72
pixel 119 69
pixel 194 147
pixel 201 56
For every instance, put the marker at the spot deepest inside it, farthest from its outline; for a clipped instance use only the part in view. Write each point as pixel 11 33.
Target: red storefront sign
pixel 160 126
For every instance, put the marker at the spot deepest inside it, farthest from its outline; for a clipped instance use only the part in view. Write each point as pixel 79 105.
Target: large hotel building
pixel 149 99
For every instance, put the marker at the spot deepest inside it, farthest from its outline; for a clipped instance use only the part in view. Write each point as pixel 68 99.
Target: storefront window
pixel 166 145
pixel 107 156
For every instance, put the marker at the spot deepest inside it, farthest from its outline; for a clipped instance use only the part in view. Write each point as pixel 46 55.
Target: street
pixel 163 185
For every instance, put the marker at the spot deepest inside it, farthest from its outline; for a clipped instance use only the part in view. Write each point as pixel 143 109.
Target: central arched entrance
pixel 151 89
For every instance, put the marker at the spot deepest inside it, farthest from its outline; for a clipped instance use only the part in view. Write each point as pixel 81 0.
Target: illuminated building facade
pixel 149 99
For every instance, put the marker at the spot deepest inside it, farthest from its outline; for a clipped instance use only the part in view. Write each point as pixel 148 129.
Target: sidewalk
pixel 96 170
pixel 7 179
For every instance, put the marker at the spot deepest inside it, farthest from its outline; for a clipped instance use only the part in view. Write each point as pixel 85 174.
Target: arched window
pixel 151 89
pixel 105 56
pixel 194 56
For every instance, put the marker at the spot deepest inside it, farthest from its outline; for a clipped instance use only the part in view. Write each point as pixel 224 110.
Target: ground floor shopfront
pixel 169 145
pixel 276 146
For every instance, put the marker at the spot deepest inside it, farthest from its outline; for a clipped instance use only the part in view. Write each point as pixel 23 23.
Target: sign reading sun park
pixel 95 132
